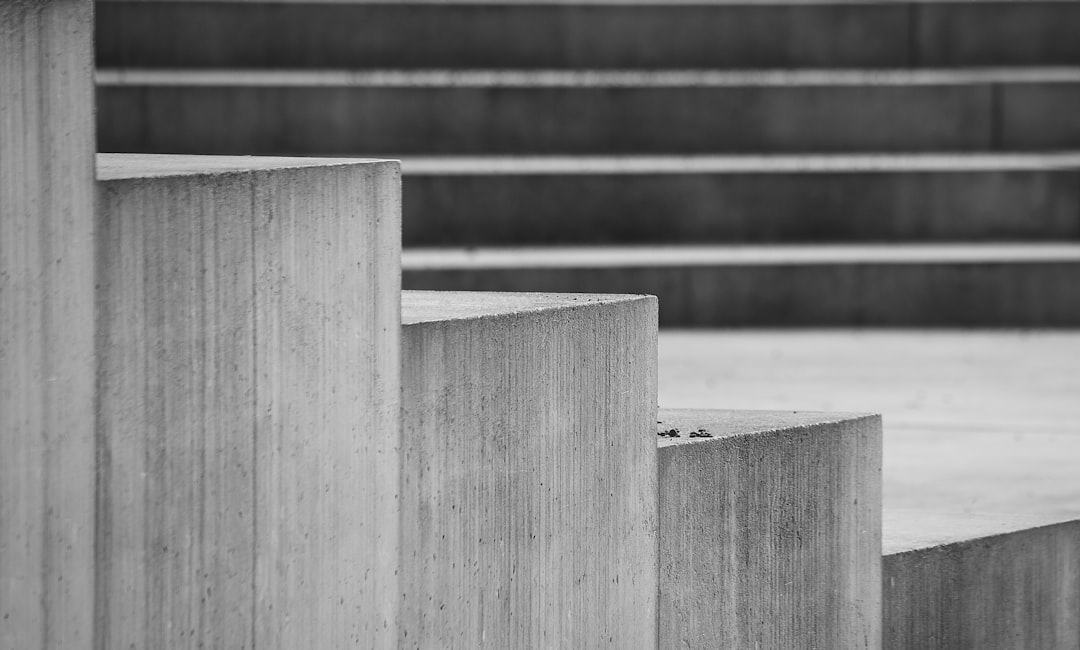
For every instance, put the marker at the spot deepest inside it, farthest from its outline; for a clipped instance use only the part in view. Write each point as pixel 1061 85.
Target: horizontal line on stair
pixel 581 78
pixel 709 164
pixel 683 256
pixel 673 3
pixel 120 166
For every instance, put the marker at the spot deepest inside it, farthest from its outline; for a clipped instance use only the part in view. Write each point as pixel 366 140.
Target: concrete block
pixel 529 471
pixel 568 112
pixel 652 200
pixel 959 580
pixel 46 324
pixel 770 530
pixel 249 362
pixel 1021 285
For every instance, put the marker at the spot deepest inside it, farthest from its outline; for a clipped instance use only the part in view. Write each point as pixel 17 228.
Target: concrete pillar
pixel 46 324
pixel 249 402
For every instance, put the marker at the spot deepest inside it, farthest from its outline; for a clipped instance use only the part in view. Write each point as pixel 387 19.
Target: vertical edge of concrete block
pixel 529 502
pixel 46 323
pixel 770 531
pixel 249 408
pixel 993 591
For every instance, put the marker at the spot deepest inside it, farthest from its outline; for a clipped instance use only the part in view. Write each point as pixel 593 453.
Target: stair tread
pixel 908 530
pixel 936 162
pixel 583 78
pixel 739 255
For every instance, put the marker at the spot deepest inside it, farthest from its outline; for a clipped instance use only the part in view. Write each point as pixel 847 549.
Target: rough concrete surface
pixel 46 324
pixel 248 398
pixel 975 421
pixel 955 580
pixel 770 531
pixel 529 476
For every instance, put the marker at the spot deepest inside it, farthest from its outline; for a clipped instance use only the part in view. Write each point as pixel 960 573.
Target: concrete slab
pixel 351 34
pixel 529 480
pixel 953 580
pixel 46 324
pixel 248 319
pixel 975 421
pixel 770 531
pixel 590 200
pixel 1018 285
pixel 581 112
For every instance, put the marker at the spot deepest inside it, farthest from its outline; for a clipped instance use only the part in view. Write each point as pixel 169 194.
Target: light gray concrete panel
pixel 961 580
pixel 46 324
pixel 770 531
pixel 529 477
pixel 249 402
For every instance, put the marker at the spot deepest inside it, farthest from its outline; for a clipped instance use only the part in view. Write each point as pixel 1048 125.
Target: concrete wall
pixel 248 338
pixel 770 531
pixel 46 324
pixel 993 582
pixel 529 475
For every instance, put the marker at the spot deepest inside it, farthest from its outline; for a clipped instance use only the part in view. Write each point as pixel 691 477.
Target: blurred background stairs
pixel 891 163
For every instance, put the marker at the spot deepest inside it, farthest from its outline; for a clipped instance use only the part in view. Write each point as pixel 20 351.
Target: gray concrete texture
pixel 693 200
pixel 528 494
pixel 248 317
pixel 46 324
pixel 994 582
pixel 584 112
pixel 770 531
pixel 586 34
pixel 740 286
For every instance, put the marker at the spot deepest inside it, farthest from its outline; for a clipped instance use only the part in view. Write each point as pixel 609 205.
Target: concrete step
pixel 523 201
pixel 248 360
pixel 586 112
pixel 585 33
pixel 1017 285
pixel 770 530
pixel 961 580
pixel 976 420
pixel 528 494
pixel 47 462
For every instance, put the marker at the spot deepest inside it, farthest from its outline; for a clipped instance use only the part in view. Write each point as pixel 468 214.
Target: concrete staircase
pixel 225 425
pixel 932 142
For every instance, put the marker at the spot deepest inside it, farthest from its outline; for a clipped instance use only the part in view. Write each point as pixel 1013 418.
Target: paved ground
pixel 974 421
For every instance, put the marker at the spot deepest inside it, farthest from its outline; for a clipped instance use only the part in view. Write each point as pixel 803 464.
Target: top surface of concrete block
pixel 118 166
pixel 732 423
pixel 434 306
pixel 911 530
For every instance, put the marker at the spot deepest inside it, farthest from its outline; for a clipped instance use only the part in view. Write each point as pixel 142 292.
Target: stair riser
pixel 770 536
pixel 591 208
pixel 557 35
pixel 1019 589
pixel 351 120
pixel 962 295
